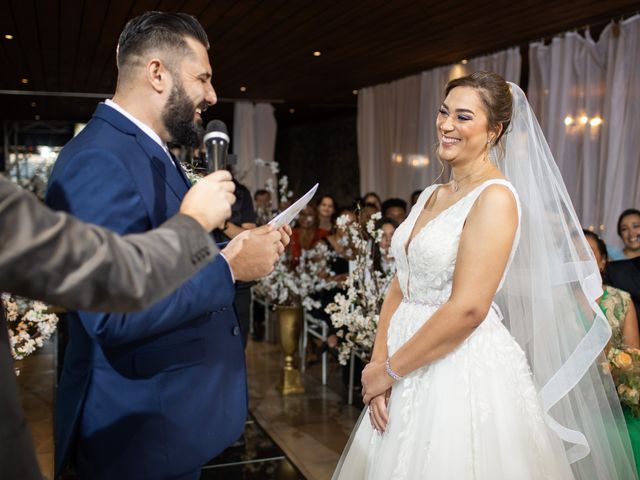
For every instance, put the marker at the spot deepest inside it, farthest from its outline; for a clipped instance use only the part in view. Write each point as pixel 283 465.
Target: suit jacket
pixel 55 258
pixel 157 393
pixel 625 275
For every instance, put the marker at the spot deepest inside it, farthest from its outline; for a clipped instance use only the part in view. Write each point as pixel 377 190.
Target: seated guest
pixel 306 234
pixel 414 196
pixel 625 274
pixel 629 232
pixel 382 260
pixel 326 209
pixel 263 205
pixel 395 208
pixel 615 303
pixel 365 214
pixel 621 314
pixel 337 243
pixel 372 198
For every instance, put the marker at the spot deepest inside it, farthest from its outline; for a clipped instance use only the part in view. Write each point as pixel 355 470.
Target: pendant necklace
pixel 455 184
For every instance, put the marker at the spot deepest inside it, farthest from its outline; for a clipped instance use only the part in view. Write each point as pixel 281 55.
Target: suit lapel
pixel 172 174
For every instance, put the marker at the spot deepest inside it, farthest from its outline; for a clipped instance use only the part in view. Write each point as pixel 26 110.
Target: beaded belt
pixel 423 303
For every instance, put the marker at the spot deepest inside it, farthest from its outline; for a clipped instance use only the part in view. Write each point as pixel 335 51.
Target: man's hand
pixel 209 200
pixel 253 253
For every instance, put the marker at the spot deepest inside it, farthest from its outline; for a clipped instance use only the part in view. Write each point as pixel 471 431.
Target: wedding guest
pixel 622 316
pixel 263 205
pixel 395 208
pixel 372 198
pixel 337 243
pixel 365 214
pixel 629 232
pixel 306 234
pixel 326 209
pixel 615 303
pixel 382 259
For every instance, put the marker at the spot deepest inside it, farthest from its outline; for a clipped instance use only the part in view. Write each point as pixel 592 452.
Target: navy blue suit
pixel 153 394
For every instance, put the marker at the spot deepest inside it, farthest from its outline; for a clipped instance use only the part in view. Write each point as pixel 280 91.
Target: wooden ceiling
pixel 267 45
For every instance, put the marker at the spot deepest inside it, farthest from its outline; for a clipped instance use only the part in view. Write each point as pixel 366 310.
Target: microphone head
pixel 216 129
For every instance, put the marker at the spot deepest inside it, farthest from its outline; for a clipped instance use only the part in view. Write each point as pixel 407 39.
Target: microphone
pixel 216 144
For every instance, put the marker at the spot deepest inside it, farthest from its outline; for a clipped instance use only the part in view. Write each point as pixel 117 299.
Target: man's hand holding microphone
pixel 252 254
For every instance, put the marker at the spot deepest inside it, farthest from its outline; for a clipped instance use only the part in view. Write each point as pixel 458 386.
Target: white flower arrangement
pixel 293 286
pixel 30 326
pixel 355 313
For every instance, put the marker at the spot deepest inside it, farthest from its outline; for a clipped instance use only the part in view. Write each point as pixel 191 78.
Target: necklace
pixel 455 183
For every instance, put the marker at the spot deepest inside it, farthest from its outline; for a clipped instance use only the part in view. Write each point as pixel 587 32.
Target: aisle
pixel 311 428
pixel 292 438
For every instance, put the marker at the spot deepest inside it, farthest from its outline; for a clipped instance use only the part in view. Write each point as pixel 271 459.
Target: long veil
pixel 549 304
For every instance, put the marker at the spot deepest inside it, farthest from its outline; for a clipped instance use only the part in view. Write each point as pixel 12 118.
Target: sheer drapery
pixel 586 95
pixel 396 125
pixel 254 137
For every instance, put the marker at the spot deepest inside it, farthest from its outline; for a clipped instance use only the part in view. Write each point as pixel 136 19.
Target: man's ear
pixel 157 75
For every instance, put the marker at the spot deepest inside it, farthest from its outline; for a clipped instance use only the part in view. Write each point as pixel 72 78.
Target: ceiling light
pixel 8 36
pixel 568 120
pixel 464 62
pixel 24 80
pixel 292 110
pixel 584 119
pixel 243 88
pixel 317 53
pixel 595 121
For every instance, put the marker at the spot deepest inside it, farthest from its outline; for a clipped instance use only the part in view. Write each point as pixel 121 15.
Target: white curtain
pixel 586 95
pixel 254 137
pixel 396 125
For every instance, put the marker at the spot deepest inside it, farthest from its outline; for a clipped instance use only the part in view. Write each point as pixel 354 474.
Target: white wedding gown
pixel 473 414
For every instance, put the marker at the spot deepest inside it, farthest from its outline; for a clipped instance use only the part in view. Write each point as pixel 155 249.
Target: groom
pixel 153 394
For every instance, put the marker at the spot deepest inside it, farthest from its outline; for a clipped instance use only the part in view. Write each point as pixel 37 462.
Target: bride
pixel 484 365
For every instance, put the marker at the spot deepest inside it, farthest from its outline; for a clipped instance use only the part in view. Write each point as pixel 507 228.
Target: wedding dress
pixel 473 414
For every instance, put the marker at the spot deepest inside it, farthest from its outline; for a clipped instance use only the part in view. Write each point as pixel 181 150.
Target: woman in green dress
pixel 621 313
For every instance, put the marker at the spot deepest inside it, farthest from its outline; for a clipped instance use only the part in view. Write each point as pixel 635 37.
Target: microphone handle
pixel 216 155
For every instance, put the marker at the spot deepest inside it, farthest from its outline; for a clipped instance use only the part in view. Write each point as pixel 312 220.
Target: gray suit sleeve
pixel 53 257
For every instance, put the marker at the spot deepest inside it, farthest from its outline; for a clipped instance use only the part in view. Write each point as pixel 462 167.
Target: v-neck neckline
pixel 413 234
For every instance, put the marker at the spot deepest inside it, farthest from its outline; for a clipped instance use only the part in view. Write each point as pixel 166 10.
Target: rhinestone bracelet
pixel 391 373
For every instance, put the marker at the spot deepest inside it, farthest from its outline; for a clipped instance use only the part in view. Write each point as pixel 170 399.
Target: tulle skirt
pixel 474 414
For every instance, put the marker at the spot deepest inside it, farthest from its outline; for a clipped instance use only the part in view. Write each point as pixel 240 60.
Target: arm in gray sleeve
pixel 53 257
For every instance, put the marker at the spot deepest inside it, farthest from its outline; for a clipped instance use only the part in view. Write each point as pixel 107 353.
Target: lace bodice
pixel 425 272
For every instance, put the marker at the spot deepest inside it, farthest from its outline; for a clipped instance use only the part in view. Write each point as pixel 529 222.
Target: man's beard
pixel 178 118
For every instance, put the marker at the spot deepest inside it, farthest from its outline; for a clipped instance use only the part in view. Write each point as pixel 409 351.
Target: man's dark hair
pixel 393 202
pixel 259 192
pixel 162 31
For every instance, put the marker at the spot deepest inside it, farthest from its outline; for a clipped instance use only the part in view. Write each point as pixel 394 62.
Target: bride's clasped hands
pixel 376 392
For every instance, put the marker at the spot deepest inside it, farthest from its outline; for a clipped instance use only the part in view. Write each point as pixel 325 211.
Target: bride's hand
pixel 375 381
pixel 379 412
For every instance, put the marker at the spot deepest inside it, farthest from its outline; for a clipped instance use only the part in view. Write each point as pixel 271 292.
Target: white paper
pixel 286 217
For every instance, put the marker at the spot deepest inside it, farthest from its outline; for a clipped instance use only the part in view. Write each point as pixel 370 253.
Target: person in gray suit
pixel 58 259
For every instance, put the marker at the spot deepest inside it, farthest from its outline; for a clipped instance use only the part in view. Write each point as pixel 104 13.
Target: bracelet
pixel 390 372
